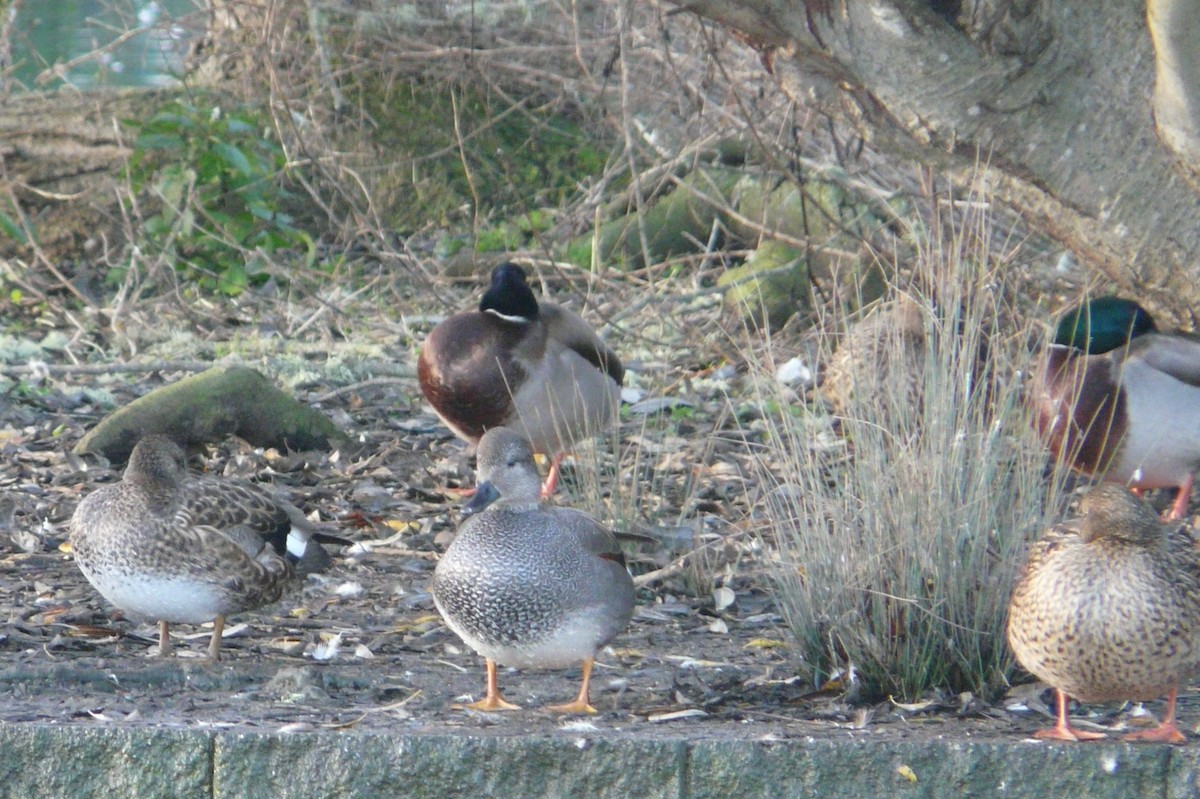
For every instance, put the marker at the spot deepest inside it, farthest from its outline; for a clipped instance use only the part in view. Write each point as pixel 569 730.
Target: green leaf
pixel 173 184
pixel 233 280
pixel 166 120
pixel 159 141
pixel 234 158
pixel 310 248
pixel 11 229
pixel 156 225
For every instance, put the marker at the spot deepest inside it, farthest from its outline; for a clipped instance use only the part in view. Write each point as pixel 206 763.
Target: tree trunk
pixel 1057 99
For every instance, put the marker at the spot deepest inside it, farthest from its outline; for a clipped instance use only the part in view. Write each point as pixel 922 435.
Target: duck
pixel 176 547
pixel 883 355
pixel 526 584
pixel 1107 608
pixel 516 362
pixel 1116 399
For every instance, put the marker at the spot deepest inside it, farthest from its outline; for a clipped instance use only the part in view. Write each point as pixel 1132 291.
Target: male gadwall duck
pixel 525 584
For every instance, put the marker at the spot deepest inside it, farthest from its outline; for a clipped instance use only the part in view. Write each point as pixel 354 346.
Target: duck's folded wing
pixel 229 503
pixel 224 558
pixel 1177 356
pixel 571 331
pixel 591 535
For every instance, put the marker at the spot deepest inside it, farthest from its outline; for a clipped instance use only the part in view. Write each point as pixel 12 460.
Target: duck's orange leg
pixel 1180 506
pixel 580 703
pixel 551 483
pixel 1166 732
pixel 493 701
pixel 1062 730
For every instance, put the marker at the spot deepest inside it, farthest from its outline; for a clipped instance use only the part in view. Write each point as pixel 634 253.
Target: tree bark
pixel 1055 99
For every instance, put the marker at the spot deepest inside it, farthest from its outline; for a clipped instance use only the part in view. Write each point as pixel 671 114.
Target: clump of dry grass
pixel 897 546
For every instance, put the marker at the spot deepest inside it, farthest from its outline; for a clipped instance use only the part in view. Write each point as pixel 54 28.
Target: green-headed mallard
pixel 1108 608
pixel 515 362
pixel 171 546
pixel 530 585
pixel 1117 399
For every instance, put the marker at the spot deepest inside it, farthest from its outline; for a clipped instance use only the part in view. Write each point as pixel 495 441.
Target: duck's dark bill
pixel 485 494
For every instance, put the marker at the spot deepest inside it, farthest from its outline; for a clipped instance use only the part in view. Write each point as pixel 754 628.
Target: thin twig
pixel 103 368
pixel 337 393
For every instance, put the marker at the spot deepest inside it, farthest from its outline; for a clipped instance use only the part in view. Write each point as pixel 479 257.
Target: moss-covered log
pixel 222 401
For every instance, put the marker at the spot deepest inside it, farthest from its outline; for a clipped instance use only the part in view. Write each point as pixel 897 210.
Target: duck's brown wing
pixel 208 554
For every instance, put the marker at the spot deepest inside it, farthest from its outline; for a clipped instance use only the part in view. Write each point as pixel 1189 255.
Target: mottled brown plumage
pixel 171 546
pixel 882 355
pixel 1108 608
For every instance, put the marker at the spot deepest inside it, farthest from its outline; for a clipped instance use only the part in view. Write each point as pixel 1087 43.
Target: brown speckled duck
pixel 883 353
pixel 1108 608
pixel 536 367
pixel 525 584
pixel 1118 399
pixel 171 546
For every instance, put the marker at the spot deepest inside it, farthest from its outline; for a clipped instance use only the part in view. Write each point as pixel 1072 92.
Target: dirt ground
pixel 362 646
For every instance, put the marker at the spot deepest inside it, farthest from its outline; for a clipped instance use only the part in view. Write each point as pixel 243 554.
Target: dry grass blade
pixel 898 559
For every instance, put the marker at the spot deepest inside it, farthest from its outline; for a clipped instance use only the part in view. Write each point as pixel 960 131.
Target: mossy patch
pixel 770 286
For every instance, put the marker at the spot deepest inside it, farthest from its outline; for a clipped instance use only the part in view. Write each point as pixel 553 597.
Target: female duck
pixel 527 585
pixel 173 547
pixel 1108 608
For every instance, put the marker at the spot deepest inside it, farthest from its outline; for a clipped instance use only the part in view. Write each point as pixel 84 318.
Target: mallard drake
pixel 1108 608
pixel 525 584
pixel 515 362
pixel 171 546
pixel 1117 399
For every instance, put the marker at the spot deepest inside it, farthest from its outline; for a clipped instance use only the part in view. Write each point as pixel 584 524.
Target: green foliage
pixel 218 184
pixel 452 149
pixel 10 223
pixel 515 233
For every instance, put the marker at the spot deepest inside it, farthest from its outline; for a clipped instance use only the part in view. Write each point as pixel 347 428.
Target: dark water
pixel 153 38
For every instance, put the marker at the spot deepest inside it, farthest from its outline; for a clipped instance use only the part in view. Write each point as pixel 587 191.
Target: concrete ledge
pixel 381 765
pixel 71 761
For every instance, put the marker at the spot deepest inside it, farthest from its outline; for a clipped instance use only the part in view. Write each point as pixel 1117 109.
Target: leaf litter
pixel 362 646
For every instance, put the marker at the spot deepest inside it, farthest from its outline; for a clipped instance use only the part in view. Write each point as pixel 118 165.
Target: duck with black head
pixel 516 362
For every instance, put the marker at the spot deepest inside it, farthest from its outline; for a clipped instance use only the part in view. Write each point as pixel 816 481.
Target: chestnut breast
pixel 472 364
